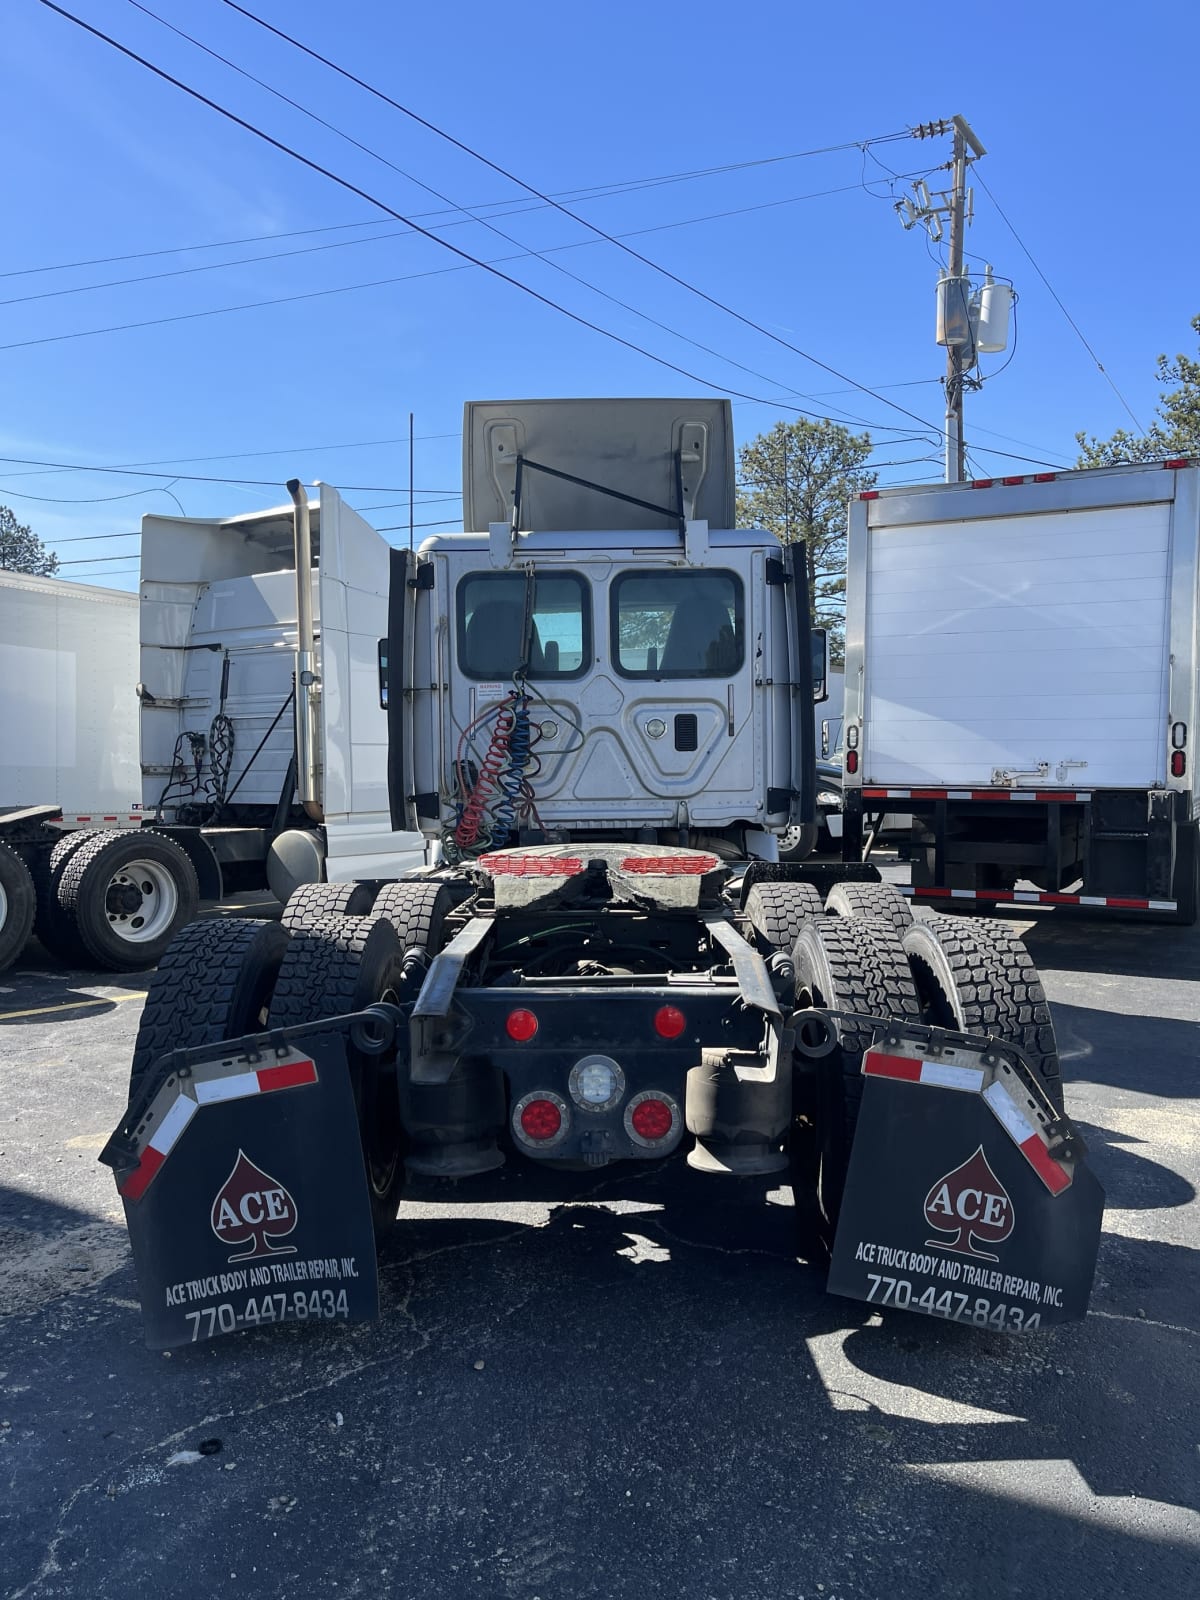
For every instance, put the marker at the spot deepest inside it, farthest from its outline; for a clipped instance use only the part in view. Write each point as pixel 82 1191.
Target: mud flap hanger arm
pixel 372 1030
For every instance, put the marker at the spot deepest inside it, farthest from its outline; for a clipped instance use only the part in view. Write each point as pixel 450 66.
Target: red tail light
pixel 652 1119
pixel 520 1025
pixel 851 761
pixel 669 1022
pixel 540 1119
pixel 1178 763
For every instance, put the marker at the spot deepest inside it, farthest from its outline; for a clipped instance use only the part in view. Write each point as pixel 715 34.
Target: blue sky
pixel 1082 108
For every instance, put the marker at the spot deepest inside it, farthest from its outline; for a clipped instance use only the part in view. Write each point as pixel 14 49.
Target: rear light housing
pixel 652 1120
pixel 541 1119
pixel 852 761
pixel 1178 763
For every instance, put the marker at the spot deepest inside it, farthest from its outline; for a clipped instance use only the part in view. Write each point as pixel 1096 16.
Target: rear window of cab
pixel 677 624
pixel 491 625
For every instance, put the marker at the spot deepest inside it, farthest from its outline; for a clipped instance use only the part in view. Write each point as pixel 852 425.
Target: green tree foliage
pixel 796 482
pixel 1176 429
pixel 20 548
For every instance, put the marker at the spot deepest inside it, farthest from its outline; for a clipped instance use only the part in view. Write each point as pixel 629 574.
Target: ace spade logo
pixel 972 1204
pixel 251 1208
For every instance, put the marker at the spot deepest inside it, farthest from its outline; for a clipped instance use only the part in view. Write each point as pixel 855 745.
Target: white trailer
pixel 1021 673
pixel 68 729
pixel 68 711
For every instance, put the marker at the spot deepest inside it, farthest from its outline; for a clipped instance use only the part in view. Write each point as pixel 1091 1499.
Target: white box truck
pixel 1021 675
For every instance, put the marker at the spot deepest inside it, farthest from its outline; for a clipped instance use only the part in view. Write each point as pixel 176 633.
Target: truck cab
pixel 611 657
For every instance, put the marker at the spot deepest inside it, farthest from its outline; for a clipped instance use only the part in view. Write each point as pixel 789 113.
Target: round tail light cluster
pixel 652 1118
pixel 541 1119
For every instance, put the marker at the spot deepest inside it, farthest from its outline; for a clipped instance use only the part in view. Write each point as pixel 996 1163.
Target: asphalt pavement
pixel 615 1385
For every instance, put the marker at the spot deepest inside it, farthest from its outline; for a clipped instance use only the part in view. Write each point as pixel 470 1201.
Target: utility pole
pixel 954 290
pixel 956 453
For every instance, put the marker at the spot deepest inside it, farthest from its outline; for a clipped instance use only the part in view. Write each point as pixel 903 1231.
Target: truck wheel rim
pixel 140 901
pixel 3 906
pixel 791 838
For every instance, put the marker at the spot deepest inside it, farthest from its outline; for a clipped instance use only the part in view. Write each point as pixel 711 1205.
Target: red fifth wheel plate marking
pixel 287 1075
pixel 944 1075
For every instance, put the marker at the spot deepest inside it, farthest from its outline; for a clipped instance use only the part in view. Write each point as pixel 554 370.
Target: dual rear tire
pixel 229 977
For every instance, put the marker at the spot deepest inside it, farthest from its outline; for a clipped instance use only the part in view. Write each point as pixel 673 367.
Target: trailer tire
pixel 882 900
pixel 18 902
pixel 778 911
pixel 843 964
pixel 213 983
pixel 314 903
pixel 128 893
pixel 53 928
pixel 977 977
pixel 417 911
pixel 343 965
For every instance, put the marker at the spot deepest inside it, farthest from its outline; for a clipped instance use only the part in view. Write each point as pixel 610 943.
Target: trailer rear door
pixel 1000 644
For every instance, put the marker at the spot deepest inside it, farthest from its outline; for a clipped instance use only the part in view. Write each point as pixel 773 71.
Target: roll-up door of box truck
pixel 1000 644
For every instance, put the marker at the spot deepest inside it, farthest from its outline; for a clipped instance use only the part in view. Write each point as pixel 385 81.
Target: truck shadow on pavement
pixel 1124 949
pixel 1146 1054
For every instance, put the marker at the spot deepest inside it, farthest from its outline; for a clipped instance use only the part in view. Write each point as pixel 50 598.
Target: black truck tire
pixel 346 964
pixel 778 911
pixel 417 911
pixel 314 903
pixel 977 977
pixel 129 893
pixel 18 902
pixel 54 929
pixel 213 983
pixel 870 900
pixel 843 964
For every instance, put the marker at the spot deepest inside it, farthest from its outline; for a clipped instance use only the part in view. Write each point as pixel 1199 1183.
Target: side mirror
pixel 820 664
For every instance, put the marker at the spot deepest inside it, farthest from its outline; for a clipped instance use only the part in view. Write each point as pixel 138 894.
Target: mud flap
pixel 967 1196
pixel 245 1193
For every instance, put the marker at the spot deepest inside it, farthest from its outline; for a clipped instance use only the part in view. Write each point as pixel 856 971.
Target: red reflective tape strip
pixel 140 1178
pixel 1047 1169
pixel 158 1147
pixel 83 819
pixel 110 819
pixel 876 1064
pixel 501 866
pixel 288 1075
pixel 670 866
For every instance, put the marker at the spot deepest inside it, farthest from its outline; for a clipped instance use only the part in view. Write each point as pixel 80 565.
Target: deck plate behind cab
pixel 955 1205
pixel 666 876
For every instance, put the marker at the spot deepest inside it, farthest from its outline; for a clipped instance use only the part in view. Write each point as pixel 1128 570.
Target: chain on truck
pixel 595 715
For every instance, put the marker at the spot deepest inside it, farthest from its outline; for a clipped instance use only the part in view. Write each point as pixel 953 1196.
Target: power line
pixel 247 455
pixel 488 223
pixel 601 191
pixel 582 221
pixel 434 272
pixel 192 477
pixel 445 244
pixel 1058 302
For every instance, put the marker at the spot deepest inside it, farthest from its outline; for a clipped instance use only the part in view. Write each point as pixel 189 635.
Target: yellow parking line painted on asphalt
pixel 74 1005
